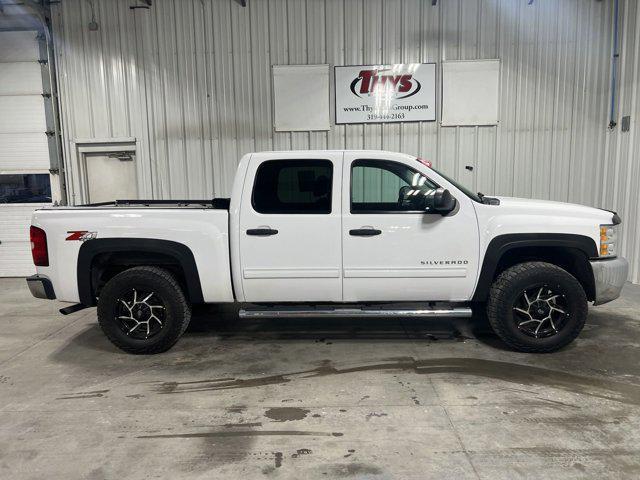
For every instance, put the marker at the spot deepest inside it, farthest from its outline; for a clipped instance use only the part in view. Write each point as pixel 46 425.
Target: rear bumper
pixel 609 276
pixel 41 287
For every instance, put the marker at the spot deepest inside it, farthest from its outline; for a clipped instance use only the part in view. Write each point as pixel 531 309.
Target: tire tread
pixel 497 304
pixel 182 318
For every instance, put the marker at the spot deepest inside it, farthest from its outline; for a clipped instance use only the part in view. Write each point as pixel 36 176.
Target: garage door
pixel 24 156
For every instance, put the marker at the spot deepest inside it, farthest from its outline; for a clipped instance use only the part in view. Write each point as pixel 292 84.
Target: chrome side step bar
pixel 353 312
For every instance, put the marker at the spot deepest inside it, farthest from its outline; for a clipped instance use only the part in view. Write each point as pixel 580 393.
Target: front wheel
pixel 143 310
pixel 537 307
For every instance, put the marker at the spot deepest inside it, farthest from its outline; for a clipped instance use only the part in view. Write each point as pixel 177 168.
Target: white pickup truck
pixel 331 234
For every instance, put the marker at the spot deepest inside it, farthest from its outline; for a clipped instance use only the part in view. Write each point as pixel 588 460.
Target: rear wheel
pixel 143 310
pixel 537 307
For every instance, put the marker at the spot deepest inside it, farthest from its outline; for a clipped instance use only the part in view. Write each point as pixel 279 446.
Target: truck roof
pixel 317 152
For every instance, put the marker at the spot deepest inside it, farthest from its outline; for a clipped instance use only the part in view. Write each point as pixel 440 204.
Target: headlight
pixel 608 240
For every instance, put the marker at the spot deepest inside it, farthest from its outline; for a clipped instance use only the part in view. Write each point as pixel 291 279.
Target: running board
pixel 353 312
pixel 73 308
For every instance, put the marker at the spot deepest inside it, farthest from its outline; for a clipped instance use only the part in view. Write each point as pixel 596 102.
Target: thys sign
pixel 404 92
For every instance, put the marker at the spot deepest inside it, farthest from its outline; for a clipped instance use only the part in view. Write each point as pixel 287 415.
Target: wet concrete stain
pixel 277 457
pixel 135 396
pixel 497 370
pixel 242 425
pixel 268 469
pixel 351 470
pixel 459 337
pixel 207 385
pixel 375 414
pixel 414 397
pixel 169 387
pixel 236 409
pixel 351 452
pixel 80 395
pixel 286 414
pixel 247 433
pixel 300 452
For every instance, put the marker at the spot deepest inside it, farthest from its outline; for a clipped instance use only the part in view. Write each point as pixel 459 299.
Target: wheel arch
pixel 103 256
pixel 568 251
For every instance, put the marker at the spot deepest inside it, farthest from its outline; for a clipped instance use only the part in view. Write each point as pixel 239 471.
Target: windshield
pixel 473 196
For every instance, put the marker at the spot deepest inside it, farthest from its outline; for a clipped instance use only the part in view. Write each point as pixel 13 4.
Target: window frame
pixel 302 162
pixel 384 212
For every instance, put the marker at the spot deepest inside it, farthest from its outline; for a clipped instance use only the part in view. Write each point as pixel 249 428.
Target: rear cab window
pixel 293 187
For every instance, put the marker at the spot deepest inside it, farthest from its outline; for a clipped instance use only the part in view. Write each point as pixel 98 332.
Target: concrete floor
pixel 309 399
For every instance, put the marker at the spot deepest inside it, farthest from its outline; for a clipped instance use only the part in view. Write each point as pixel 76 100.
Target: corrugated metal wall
pixel 620 178
pixel 191 81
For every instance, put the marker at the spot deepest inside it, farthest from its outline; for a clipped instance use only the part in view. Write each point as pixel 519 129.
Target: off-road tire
pixel 509 286
pixel 177 309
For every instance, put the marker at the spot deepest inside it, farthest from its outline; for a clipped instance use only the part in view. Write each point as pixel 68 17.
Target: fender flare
pixel 181 253
pixel 503 243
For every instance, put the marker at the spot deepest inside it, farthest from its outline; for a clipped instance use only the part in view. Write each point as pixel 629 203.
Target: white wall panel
pixel 190 80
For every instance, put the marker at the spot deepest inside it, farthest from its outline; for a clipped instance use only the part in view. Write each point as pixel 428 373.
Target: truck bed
pixel 216 203
pixel 200 225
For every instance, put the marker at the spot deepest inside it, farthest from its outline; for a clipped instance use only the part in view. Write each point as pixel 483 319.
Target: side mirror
pixel 440 200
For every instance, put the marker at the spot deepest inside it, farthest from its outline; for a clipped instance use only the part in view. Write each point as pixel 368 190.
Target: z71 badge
pixel 81 235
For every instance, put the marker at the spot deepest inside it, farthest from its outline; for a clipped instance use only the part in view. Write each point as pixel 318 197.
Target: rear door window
pixel 293 187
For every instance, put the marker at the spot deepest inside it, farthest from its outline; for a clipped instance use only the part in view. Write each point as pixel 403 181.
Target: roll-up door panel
pixel 22 114
pixel 20 78
pixel 18 46
pixel 24 151
pixel 15 248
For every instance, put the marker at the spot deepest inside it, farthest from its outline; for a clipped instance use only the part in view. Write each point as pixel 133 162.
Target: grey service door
pixel 110 177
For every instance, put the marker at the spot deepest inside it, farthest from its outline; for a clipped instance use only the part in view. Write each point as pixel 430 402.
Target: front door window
pixel 385 186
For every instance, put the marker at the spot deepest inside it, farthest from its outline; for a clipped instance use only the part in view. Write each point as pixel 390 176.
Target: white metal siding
pixel 621 172
pixel 191 80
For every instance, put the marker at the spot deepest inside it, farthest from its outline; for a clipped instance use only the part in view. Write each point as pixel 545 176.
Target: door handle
pixel 364 232
pixel 262 232
pixel 469 167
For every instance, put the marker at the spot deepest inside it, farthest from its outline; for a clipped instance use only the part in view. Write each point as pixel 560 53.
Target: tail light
pixel 39 247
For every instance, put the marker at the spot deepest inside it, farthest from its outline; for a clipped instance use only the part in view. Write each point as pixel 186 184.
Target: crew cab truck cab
pixel 331 234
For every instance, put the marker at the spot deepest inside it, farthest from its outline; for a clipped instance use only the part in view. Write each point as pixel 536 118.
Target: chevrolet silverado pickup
pixel 347 233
